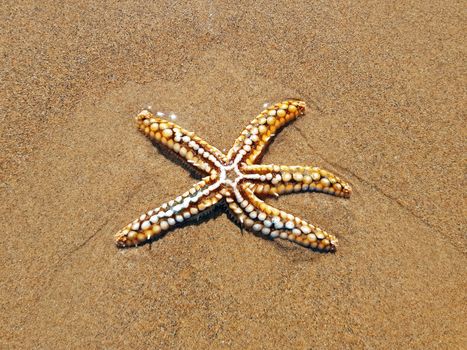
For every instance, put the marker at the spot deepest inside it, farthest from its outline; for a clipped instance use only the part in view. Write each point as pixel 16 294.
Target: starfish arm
pixel 153 223
pixel 257 216
pixel 184 143
pixel 280 179
pixel 252 142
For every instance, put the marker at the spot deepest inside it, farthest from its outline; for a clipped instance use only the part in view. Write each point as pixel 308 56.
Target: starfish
pixel 236 180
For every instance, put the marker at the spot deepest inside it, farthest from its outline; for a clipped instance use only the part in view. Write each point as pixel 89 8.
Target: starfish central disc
pixel 232 174
pixel 236 178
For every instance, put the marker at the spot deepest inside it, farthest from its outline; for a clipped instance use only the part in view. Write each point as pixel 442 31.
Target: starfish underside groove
pixel 235 179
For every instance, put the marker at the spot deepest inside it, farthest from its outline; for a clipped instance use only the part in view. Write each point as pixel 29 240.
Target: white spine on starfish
pixel 192 199
pixel 195 198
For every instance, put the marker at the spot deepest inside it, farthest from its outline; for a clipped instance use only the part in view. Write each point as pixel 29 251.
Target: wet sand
pixel 384 84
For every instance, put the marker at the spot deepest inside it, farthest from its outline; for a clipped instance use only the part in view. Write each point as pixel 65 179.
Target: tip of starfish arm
pixel 144 113
pixel 333 245
pixel 123 239
pixel 347 190
pixel 120 239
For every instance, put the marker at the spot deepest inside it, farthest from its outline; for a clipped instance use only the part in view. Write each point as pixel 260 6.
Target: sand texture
pixel 385 87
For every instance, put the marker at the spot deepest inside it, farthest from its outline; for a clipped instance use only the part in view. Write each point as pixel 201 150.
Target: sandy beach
pixel 384 85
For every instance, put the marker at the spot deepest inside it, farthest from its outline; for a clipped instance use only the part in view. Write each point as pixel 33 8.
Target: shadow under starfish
pixel 236 179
